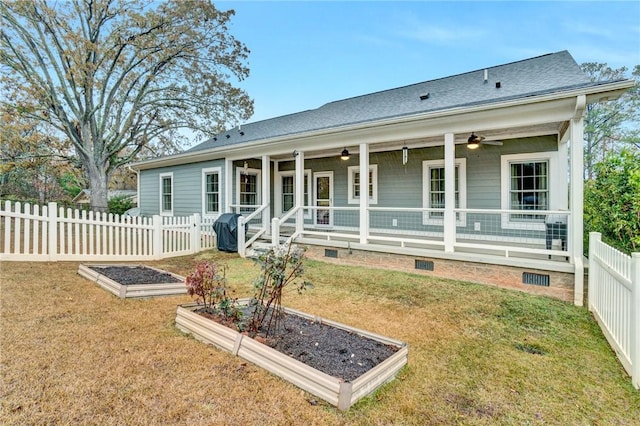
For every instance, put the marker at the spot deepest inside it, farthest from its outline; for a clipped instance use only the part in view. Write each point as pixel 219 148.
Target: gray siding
pixel 187 188
pixel 398 185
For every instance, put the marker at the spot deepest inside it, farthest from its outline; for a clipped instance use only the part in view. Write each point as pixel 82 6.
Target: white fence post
pixel 241 237
pixel 635 319
pixel 196 234
pixel 157 237
pixel 594 238
pixel 275 231
pixel 52 224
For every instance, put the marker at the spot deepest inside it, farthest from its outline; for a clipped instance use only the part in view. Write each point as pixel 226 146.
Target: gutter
pixel 609 91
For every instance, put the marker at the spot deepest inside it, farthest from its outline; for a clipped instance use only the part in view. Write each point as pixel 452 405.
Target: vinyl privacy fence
pixel 52 233
pixel 614 299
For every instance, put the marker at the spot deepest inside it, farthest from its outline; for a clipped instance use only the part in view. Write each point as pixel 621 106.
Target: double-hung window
pixel 434 190
pixel 526 186
pixel 211 191
pixel 355 184
pixel 166 194
pixel 248 189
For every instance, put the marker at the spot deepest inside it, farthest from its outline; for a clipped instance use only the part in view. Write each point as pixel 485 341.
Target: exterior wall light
pixel 345 154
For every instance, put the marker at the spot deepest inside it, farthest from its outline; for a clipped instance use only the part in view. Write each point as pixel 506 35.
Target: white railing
pixel 242 244
pixel 506 232
pixel 614 300
pixel 49 233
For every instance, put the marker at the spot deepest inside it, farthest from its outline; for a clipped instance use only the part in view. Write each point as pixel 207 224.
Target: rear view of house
pixel 476 176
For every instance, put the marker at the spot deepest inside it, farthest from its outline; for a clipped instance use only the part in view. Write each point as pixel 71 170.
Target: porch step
pixel 257 249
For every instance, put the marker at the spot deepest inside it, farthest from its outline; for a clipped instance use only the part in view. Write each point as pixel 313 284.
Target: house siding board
pixel 187 188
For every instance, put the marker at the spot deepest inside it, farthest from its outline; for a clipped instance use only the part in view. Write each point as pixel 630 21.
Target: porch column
pixel 266 193
pixel 449 220
pixel 228 185
pixel 299 192
pixel 364 193
pixel 576 200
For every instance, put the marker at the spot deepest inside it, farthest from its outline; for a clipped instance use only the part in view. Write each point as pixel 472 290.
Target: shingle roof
pixel 540 75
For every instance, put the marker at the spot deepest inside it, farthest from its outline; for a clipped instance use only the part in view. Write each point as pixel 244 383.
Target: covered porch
pixel 516 201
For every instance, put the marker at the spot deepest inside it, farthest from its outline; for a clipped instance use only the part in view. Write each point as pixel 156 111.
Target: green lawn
pixel 72 353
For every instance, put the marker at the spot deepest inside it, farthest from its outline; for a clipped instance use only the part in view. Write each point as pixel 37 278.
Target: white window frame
pixel 205 172
pixel 258 174
pixel 427 165
pixel 162 177
pixel 278 191
pixel 351 171
pixel 505 182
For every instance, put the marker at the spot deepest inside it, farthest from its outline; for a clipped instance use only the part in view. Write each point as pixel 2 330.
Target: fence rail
pixel 48 233
pixel 614 300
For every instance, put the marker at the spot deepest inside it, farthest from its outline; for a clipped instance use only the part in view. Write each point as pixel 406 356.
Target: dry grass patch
pixel 74 354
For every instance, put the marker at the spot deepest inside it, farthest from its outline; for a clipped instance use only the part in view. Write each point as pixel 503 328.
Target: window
pixel 166 194
pixel 434 190
pixel 248 188
pixel 529 189
pixel 285 194
pixel 526 186
pixel 211 191
pixel 354 181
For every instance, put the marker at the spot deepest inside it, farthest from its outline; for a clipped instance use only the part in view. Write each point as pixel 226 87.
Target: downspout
pixel 577 197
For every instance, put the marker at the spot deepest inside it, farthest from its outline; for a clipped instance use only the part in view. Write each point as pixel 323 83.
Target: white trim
pixel 277 191
pixel 258 174
pixel 205 172
pixel 554 194
pixel 461 165
pixel 162 176
pixel 373 169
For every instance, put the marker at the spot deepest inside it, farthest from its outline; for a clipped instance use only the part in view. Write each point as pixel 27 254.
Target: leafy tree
pixel 614 125
pixel 118 77
pixel 120 204
pixel 612 201
pixel 30 163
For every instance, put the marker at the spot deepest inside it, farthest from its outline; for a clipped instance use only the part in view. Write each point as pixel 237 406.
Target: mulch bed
pixel 135 275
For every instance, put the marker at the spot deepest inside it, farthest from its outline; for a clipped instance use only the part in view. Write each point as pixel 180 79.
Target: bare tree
pixel 117 77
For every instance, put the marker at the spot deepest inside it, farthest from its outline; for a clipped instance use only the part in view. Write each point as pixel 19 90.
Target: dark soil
pixel 328 349
pixel 133 275
pixel 331 350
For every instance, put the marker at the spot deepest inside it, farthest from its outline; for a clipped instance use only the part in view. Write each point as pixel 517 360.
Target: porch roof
pixel 546 75
pixel 536 76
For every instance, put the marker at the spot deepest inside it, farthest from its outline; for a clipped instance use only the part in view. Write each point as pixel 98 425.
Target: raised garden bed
pixel 130 281
pixel 342 391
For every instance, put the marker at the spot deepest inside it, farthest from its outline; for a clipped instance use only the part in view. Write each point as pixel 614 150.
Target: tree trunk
pixel 98 187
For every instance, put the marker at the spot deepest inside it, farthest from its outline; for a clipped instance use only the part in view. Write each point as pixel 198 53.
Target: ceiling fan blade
pixel 498 143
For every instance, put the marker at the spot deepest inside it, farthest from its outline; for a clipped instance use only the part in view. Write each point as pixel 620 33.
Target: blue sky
pixel 305 54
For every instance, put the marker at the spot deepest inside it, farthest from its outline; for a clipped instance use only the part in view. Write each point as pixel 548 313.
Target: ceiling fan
pixel 474 141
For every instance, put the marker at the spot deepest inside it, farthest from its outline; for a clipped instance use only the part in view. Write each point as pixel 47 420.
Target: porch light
pixel 473 142
pixel 405 155
pixel 345 154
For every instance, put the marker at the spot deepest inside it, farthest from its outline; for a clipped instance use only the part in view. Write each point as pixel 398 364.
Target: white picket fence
pixel 614 299
pixel 52 233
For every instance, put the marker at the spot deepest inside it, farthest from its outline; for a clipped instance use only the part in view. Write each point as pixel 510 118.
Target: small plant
pixel 208 283
pixel 282 266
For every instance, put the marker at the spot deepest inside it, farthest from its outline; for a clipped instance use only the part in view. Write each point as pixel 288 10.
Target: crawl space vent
pixel 535 279
pixel 330 253
pixel 425 265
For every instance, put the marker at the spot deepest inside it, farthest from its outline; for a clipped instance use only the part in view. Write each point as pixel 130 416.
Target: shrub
pixel 282 267
pixel 120 204
pixel 208 283
pixel 612 202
